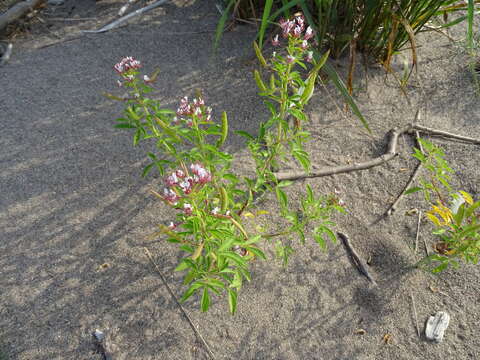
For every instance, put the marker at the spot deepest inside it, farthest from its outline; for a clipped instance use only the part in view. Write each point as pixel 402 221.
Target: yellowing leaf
pixel 468 198
pixel 198 251
pixel 248 214
pixel 444 212
pixel 433 219
pixel 262 212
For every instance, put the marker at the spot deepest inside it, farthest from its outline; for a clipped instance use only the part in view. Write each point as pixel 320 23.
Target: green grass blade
pixel 221 25
pixel 340 85
pixel 284 9
pixel 265 16
pixel 470 14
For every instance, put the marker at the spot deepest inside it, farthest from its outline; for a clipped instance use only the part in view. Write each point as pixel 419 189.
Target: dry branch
pixel 355 258
pixel 197 333
pixel 387 156
pixel 17 11
pixel 121 20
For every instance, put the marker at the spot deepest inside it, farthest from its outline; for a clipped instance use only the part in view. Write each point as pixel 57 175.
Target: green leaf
pixel 298 114
pixel 282 198
pixel 190 291
pixel 284 183
pixel 302 157
pixel 237 259
pixel 205 300
pixel 440 268
pixel 310 196
pixel 147 169
pixel 232 300
pixel 253 240
pixel 413 190
pixel 125 126
pixel 320 240
pixel 226 244
pixel 244 134
pixel 256 252
pixel 330 234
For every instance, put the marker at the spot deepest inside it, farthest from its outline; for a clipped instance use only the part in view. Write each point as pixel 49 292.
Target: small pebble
pixel 436 326
pixel 99 335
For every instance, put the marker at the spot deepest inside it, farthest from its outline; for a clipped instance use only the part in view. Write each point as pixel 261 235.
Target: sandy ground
pixel 72 199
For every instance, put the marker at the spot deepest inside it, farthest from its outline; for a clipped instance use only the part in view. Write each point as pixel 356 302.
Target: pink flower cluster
pixel 180 184
pixel 126 64
pixel 196 108
pixel 296 29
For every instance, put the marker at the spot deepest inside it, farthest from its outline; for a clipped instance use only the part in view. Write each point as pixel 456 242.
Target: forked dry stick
pixel 387 156
pixel 355 258
pixel 197 333
pixel 393 207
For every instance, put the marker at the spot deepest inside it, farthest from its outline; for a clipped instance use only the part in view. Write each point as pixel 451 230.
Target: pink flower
pixel 300 19
pixel 297 31
pixel 308 34
pixel 186 185
pixel 290 59
pixel 180 174
pixel 184 108
pixel 198 102
pixel 304 45
pixel 172 180
pixel 170 196
pixel 202 176
pixel 187 209
pixel 275 41
pixel 286 26
pixel 127 63
pixel 189 123
pixel 172 226
pixel 309 57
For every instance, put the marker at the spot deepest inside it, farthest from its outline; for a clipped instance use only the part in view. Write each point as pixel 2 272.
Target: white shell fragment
pixel 436 326
pixel 99 335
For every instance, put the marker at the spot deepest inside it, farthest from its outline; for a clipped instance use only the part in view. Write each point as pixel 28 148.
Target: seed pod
pixel 224 131
pixel 259 81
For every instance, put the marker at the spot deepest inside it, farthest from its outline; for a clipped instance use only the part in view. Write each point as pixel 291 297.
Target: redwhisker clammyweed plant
pixel 209 200
pixel 454 214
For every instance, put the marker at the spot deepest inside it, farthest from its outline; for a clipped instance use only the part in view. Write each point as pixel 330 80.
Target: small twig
pixel 121 20
pixel 393 207
pixel 355 258
pixel 415 314
pixel 418 230
pixel 198 335
pixel 426 247
pixel 70 19
pixel 446 134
